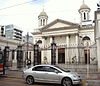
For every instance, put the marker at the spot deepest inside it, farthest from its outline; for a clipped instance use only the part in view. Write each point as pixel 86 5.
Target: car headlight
pixel 75 76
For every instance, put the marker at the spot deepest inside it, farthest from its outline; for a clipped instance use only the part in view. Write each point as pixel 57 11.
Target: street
pixel 19 82
pixel 14 78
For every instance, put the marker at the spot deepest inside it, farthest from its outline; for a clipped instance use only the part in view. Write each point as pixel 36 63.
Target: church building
pixel 65 42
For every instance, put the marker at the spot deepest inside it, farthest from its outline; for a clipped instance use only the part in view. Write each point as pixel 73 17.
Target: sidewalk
pixel 13 74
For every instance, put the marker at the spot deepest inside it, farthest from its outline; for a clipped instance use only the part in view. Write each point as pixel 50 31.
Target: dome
pixel 84 6
pixel 43 14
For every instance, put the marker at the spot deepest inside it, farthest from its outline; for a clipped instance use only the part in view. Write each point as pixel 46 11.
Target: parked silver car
pixel 51 74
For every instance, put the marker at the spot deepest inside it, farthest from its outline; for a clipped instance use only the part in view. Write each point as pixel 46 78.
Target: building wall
pixel 14 32
pixel 73 42
pixel 97 35
pixel 13 45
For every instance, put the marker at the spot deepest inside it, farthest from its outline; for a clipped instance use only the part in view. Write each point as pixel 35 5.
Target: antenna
pixel 43 8
pixel 83 1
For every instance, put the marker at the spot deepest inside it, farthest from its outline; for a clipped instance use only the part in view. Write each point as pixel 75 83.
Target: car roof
pixel 45 65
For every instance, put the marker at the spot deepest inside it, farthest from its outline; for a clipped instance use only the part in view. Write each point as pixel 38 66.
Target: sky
pixel 24 13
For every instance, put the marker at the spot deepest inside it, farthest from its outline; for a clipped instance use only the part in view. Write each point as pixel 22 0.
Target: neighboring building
pixel 16 53
pixel 28 39
pixel 2 31
pixel 75 43
pixel 13 32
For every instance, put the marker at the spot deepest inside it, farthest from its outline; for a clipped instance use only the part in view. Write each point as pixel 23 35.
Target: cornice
pixel 87 28
pixel 10 41
pixel 60 28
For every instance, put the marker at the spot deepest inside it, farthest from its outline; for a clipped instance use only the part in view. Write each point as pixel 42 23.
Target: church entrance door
pixel 61 55
pixel 87 56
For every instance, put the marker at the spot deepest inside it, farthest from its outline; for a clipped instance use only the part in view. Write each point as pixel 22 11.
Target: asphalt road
pixel 19 82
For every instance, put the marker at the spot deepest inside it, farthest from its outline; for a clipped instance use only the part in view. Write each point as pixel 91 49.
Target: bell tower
pixel 84 12
pixel 42 19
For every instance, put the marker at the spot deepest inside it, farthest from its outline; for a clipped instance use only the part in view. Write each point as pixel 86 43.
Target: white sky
pixel 26 16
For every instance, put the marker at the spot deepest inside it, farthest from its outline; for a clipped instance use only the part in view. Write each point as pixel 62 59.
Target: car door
pixel 39 74
pixel 52 75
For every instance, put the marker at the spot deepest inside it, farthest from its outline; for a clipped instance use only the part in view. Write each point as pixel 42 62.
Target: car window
pixel 38 68
pixel 50 69
pixel 63 69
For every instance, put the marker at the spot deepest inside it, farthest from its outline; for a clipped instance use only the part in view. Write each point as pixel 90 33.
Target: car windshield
pixel 62 69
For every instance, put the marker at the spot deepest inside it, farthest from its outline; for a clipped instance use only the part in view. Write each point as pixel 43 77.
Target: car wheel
pixel 66 82
pixel 29 80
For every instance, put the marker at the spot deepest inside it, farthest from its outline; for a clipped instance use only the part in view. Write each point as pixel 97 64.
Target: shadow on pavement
pixel 45 84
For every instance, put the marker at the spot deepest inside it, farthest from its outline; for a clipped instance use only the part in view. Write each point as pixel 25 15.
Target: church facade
pixel 73 42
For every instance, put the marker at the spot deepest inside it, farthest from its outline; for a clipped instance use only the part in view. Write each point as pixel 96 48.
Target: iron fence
pixel 79 67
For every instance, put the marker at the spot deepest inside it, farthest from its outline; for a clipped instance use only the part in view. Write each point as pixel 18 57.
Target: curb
pixel 4 76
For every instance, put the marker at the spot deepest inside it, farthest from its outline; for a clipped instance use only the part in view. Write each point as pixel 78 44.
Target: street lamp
pixel 87 59
pixel 27 37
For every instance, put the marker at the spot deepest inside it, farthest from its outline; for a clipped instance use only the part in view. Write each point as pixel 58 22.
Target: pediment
pixel 58 23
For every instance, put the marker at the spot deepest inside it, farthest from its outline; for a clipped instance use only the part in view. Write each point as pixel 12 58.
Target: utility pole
pixel 27 44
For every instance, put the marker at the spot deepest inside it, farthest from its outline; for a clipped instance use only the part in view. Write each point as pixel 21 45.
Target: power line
pixel 17 5
pixel 25 13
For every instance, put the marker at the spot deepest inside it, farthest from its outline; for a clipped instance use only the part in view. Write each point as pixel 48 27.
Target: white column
pixel 10 56
pixel 10 59
pixel 32 56
pixel 67 59
pixel 76 40
pixel 42 22
pixel 24 56
pixel 43 51
pixel 98 53
pixel 51 40
pixel 77 53
pixel 14 63
pixel 82 17
pixel 24 59
pixel 45 21
pixel 15 56
pixel 56 56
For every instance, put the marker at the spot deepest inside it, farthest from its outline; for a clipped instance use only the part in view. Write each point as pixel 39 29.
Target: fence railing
pixel 79 67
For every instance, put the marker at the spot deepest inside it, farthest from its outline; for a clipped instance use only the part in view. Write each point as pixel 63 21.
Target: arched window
pixel 43 21
pixel 84 16
pixel 30 55
pixel 86 38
